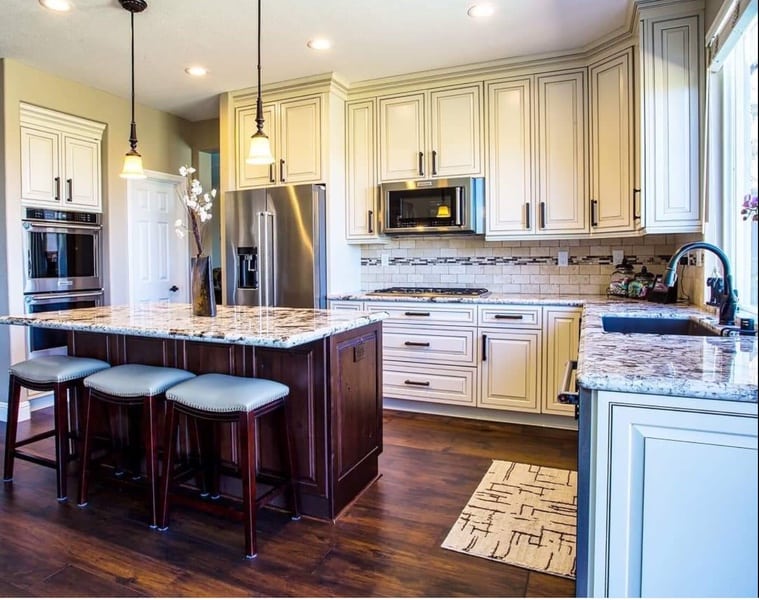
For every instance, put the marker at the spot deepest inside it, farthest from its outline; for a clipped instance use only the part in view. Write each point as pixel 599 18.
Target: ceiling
pixel 371 39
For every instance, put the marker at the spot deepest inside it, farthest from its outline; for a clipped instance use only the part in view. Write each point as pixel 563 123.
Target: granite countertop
pixel 721 368
pixel 255 326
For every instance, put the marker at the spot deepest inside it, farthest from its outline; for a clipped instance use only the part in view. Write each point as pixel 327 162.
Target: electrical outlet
pixel 699 258
pixel 617 256
pixel 563 258
pixel 385 259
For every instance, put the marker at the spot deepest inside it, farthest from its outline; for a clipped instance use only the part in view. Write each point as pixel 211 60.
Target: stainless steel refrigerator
pixel 276 247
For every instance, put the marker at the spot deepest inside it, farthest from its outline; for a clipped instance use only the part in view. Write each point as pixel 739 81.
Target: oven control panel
pixel 46 214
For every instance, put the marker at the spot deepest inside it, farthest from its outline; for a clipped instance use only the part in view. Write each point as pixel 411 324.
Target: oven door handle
pixel 55 297
pixel 57 227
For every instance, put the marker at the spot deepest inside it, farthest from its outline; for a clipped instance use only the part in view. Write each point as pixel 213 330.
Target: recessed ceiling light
pixel 196 71
pixel 319 44
pixel 57 5
pixel 480 10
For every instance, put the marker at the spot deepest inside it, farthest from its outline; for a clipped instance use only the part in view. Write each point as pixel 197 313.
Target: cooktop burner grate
pixel 429 291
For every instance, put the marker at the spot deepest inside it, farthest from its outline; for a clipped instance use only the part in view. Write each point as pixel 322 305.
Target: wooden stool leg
pixel 151 456
pixel 247 442
pixel 289 459
pixel 170 432
pixel 11 426
pixel 61 412
pixel 86 447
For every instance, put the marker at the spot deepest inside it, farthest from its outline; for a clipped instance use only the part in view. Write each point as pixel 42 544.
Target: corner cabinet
pixel 294 128
pixel 673 503
pixel 362 216
pixel 60 160
pixel 435 133
pixel 671 91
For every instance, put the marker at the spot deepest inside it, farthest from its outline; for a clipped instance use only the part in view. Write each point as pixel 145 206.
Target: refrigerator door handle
pixel 271 271
pixel 262 262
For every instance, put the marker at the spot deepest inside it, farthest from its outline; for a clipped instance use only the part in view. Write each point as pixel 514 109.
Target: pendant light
pixel 260 148
pixel 133 160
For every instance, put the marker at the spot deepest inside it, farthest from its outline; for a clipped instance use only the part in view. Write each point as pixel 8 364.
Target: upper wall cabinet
pixel 361 172
pixel 672 59
pixel 294 128
pixel 60 160
pixel 436 133
pixel 612 193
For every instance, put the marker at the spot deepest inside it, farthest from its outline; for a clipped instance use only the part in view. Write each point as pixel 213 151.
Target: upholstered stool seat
pixel 58 374
pixel 217 398
pixel 130 385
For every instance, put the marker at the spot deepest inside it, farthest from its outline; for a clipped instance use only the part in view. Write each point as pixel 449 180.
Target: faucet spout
pixel 729 301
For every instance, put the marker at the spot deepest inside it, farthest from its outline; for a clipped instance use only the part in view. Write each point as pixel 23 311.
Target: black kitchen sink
pixel 655 325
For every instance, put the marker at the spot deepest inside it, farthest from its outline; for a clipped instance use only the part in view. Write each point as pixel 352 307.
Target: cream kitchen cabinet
pixel 510 357
pixel 431 133
pixel 561 153
pixel 612 193
pixel 295 131
pixel 671 91
pixel 60 160
pixel 561 341
pixel 361 192
pixel 673 504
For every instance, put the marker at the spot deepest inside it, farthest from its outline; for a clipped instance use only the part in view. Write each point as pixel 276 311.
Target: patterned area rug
pixel 524 515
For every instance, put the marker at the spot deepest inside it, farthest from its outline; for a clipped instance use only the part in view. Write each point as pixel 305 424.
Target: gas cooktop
pixel 429 291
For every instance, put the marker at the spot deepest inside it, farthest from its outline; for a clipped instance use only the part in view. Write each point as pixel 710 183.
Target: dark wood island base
pixel 334 406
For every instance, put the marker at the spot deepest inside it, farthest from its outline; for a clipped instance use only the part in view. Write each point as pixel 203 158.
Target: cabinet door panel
pixel 300 140
pixel 360 172
pixel 455 138
pixel 611 144
pixel 509 370
pixel 401 137
pixel 561 342
pixel 510 180
pixel 561 152
pixel 82 160
pixel 254 175
pixel 40 164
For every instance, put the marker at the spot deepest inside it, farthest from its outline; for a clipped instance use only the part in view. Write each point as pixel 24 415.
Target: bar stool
pixel 216 398
pixel 57 374
pixel 129 385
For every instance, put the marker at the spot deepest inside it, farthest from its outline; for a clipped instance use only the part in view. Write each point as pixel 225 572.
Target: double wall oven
pixel 62 268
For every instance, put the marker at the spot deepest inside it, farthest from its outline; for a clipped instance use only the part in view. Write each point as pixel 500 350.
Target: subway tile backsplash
pixel 515 267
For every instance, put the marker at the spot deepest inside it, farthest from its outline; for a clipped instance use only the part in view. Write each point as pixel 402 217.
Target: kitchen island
pixel 331 360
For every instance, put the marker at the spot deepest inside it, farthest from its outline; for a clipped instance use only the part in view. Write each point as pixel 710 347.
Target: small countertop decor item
pixel 198 206
pixel 620 279
pixel 641 284
pixel 750 207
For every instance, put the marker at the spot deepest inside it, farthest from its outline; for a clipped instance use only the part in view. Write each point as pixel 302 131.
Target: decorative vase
pixel 203 299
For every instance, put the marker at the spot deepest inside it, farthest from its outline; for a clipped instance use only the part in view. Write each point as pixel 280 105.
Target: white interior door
pixel 158 258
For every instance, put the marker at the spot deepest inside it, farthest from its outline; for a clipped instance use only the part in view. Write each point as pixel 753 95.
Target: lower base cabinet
pixel 509 370
pixel 673 506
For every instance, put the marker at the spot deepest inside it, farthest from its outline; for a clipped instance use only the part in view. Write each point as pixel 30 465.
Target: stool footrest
pixel 35 438
pixel 36 459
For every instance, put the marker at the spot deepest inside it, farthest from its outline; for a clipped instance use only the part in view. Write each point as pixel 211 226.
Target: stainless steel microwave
pixel 427 206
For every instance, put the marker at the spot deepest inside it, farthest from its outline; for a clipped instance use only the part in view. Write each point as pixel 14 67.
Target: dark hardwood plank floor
pixel 386 544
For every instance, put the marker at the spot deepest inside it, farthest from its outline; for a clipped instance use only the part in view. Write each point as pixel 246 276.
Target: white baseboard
pixel 24 411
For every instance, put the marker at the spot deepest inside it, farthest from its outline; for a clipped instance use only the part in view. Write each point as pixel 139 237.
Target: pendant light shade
pixel 133 160
pixel 260 147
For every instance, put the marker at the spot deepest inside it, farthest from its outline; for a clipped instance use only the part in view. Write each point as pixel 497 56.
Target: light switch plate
pixel 617 256
pixel 563 259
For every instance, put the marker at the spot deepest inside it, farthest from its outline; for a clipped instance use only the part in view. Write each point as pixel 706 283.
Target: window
pixel 739 162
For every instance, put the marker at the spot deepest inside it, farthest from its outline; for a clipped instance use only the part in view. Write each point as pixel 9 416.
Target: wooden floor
pixel 386 544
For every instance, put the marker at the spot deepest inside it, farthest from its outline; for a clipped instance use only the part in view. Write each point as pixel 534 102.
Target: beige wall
pixel 163 142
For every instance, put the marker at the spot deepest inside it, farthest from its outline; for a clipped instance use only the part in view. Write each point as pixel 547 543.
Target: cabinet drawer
pixel 428 344
pixel 451 385
pixel 425 312
pixel 346 305
pixel 513 316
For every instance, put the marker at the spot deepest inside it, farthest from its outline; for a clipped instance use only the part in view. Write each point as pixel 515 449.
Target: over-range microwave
pixel 427 206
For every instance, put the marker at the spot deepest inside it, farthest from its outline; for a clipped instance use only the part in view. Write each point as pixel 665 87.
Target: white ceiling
pixel 371 39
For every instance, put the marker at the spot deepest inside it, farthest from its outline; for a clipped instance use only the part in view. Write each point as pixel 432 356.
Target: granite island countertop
pixel 274 327
pixel 720 368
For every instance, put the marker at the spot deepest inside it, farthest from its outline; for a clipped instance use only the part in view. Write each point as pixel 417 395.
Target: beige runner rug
pixel 525 515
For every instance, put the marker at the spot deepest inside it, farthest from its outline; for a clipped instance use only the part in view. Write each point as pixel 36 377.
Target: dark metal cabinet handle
pixel 636 214
pixel 514 317
pixel 371 221
pixel 434 162
pixel 409 313
pixel 69 190
pixel 594 213
pixel 542 215
pixel 484 347
pixel 420 344
pixel 422 383
pixel 527 224
pixel 57 188
pixel 421 164
pixel 282 170
pixel 173 288
pixel 271 174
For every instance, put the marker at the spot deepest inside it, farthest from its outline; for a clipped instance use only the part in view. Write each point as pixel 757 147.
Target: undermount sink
pixel 655 325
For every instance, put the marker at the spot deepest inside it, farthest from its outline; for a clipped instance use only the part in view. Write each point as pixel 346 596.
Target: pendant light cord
pixel 259 105
pixel 133 127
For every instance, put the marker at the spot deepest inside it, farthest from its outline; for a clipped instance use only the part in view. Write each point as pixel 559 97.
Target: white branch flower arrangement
pixel 198 206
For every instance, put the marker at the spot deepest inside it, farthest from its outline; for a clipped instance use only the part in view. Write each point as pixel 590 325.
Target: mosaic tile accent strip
pixel 509 260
